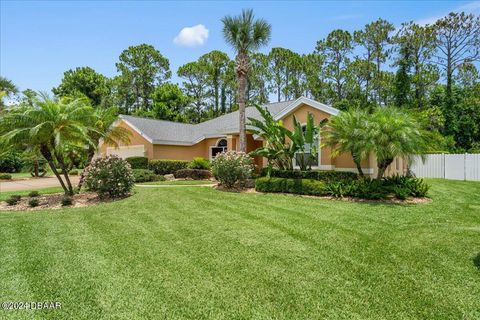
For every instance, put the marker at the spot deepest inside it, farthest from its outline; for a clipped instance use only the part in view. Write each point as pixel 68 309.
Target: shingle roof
pixel 168 132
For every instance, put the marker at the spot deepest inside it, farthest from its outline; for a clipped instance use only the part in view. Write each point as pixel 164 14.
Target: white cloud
pixel 471 7
pixel 192 36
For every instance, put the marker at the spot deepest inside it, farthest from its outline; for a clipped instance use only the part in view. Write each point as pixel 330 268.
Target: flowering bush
pixel 232 167
pixel 110 176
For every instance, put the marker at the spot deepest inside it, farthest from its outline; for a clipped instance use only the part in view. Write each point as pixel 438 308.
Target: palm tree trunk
pixel 65 174
pixel 47 155
pixel 242 84
pixel 382 167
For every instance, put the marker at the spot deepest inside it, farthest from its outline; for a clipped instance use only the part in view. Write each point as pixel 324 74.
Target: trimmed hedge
pixel 11 162
pixel 199 163
pixel 297 186
pixel 167 166
pixel 322 175
pixel 195 174
pixel 401 187
pixel 144 175
pixel 138 162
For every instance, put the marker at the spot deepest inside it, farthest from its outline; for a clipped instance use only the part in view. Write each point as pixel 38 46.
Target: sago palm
pixel 245 34
pixel 51 126
pixel 349 132
pixel 395 133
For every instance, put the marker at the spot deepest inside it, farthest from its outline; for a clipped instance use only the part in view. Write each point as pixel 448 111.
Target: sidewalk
pixel 32 184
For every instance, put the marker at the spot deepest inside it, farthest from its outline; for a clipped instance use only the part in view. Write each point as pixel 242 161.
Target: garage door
pixel 127 151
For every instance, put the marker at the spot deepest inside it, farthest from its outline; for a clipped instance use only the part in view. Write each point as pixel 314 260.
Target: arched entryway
pixel 220 146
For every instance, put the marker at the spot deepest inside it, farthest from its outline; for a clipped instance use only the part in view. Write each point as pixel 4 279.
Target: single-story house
pixel 159 139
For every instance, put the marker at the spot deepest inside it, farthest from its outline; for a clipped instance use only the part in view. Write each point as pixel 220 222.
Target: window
pixel 219 148
pixel 307 156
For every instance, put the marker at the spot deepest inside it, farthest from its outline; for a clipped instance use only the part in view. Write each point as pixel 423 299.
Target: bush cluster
pixel 401 187
pixel 34 194
pixel 144 175
pixel 13 200
pixel 110 176
pixel 322 175
pixel 34 202
pixel 5 176
pixel 167 166
pixel 138 162
pixel 66 201
pixel 286 185
pixel 199 163
pixel 11 162
pixel 194 174
pixel 232 167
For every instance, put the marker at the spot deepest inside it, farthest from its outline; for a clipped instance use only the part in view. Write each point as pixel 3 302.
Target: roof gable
pixel 304 100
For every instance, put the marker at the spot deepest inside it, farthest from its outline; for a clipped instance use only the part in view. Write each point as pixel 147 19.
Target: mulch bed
pixel 390 200
pixel 53 202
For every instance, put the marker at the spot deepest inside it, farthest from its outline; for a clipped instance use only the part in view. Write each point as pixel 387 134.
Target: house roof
pixel 176 133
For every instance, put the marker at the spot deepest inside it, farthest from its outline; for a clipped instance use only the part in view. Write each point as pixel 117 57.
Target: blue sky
pixel 41 39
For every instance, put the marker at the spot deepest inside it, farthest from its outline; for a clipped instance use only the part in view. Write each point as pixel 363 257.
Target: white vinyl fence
pixel 464 166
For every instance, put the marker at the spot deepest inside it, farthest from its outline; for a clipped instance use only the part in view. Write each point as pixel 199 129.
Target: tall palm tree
pixel 103 129
pixel 396 133
pixel 52 126
pixel 245 34
pixel 349 132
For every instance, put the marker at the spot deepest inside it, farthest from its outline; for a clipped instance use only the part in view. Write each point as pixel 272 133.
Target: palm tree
pixel 52 126
pixel 395 133
pixel 245 34
pixel 7 88
pixel 103 129
pixel 349 132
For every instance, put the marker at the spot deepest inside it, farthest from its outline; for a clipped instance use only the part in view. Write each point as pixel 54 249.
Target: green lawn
pixel 180 182
pixel 199 253
pixel 6 195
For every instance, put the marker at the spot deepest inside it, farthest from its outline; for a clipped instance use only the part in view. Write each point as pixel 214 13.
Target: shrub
pixel 418 187
pixel 414 187
pixel 401 193
pixel 296 186
pixel 232 167
pixel 167 166
pixel 11 162
pixel 143 175
pixel 73 172
pixel 13 200
pixel 5 176
pixel 340 189
pixel 110 176
pixel 368 188
pixel 195 174
pixel 34 194
pixel 199 163
pixel 66 201
pixel 33 202
pixel 138 162
pixel 322 175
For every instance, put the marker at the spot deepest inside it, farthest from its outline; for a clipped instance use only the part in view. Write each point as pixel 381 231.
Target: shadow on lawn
pixel 476 261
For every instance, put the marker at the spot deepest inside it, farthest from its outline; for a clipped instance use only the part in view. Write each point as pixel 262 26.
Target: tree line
pixel 429 70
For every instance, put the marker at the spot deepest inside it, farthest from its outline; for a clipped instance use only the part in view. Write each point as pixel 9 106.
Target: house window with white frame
pixel 220 147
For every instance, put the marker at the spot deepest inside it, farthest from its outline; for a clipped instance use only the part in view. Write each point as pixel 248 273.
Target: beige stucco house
pixel 159 139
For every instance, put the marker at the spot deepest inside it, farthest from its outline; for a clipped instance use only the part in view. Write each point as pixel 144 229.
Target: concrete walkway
pixel 33 184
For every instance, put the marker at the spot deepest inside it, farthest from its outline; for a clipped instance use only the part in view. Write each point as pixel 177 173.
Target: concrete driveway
pixel 32 184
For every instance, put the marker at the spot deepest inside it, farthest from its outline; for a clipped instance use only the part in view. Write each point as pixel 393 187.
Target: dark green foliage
pixel 5 176
pixel 34 194
pixel 368 188
pixel 138 162
pixel 10 162
pixel 33 202
pixel 144 175
pixel 199 163
pixel 297 186
pixel 73 172
pixel 311 174
pixel 12 201
pixel 67 201
pixel 401 187
pixel 167 166
pixel 195 174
